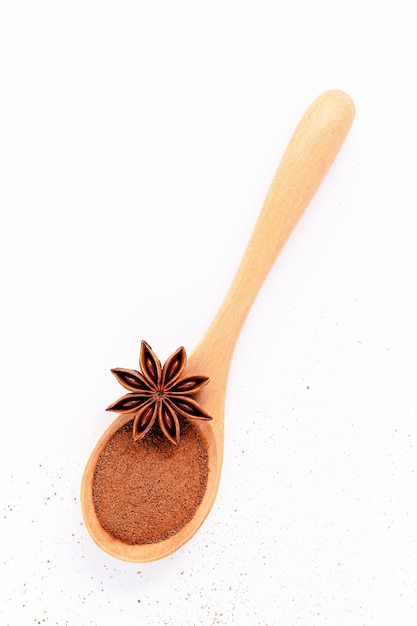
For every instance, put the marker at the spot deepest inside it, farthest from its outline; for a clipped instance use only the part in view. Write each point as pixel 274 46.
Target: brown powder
pixel 146 491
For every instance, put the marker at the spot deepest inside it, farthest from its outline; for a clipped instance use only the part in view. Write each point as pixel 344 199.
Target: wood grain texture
pixel 309 155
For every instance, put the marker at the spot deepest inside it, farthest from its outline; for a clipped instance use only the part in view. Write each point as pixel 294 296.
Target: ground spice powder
pixel 146 491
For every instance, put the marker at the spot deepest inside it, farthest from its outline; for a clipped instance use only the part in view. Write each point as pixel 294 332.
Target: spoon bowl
pixel 310 153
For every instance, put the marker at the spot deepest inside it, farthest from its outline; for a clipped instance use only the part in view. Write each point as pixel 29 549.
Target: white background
pixel 137 142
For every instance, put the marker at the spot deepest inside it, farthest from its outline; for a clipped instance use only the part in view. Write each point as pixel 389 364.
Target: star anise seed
pixel 159 394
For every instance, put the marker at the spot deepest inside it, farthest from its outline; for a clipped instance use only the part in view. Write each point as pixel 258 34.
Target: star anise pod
pixel 159 394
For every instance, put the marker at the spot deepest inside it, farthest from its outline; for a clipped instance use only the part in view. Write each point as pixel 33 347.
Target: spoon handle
pixel 310 153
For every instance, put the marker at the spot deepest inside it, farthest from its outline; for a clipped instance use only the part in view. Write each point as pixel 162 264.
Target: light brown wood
pixel 311 151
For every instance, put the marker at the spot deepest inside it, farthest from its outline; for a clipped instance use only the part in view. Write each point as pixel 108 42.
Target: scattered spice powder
pixel 145 491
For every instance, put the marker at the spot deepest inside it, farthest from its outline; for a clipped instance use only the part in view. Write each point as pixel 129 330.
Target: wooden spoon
pixel 312 149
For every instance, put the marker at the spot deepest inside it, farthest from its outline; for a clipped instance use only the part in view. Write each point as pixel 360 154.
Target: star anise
pixel 159 394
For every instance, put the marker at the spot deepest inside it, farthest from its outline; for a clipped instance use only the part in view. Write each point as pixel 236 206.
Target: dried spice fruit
pixel 159 394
